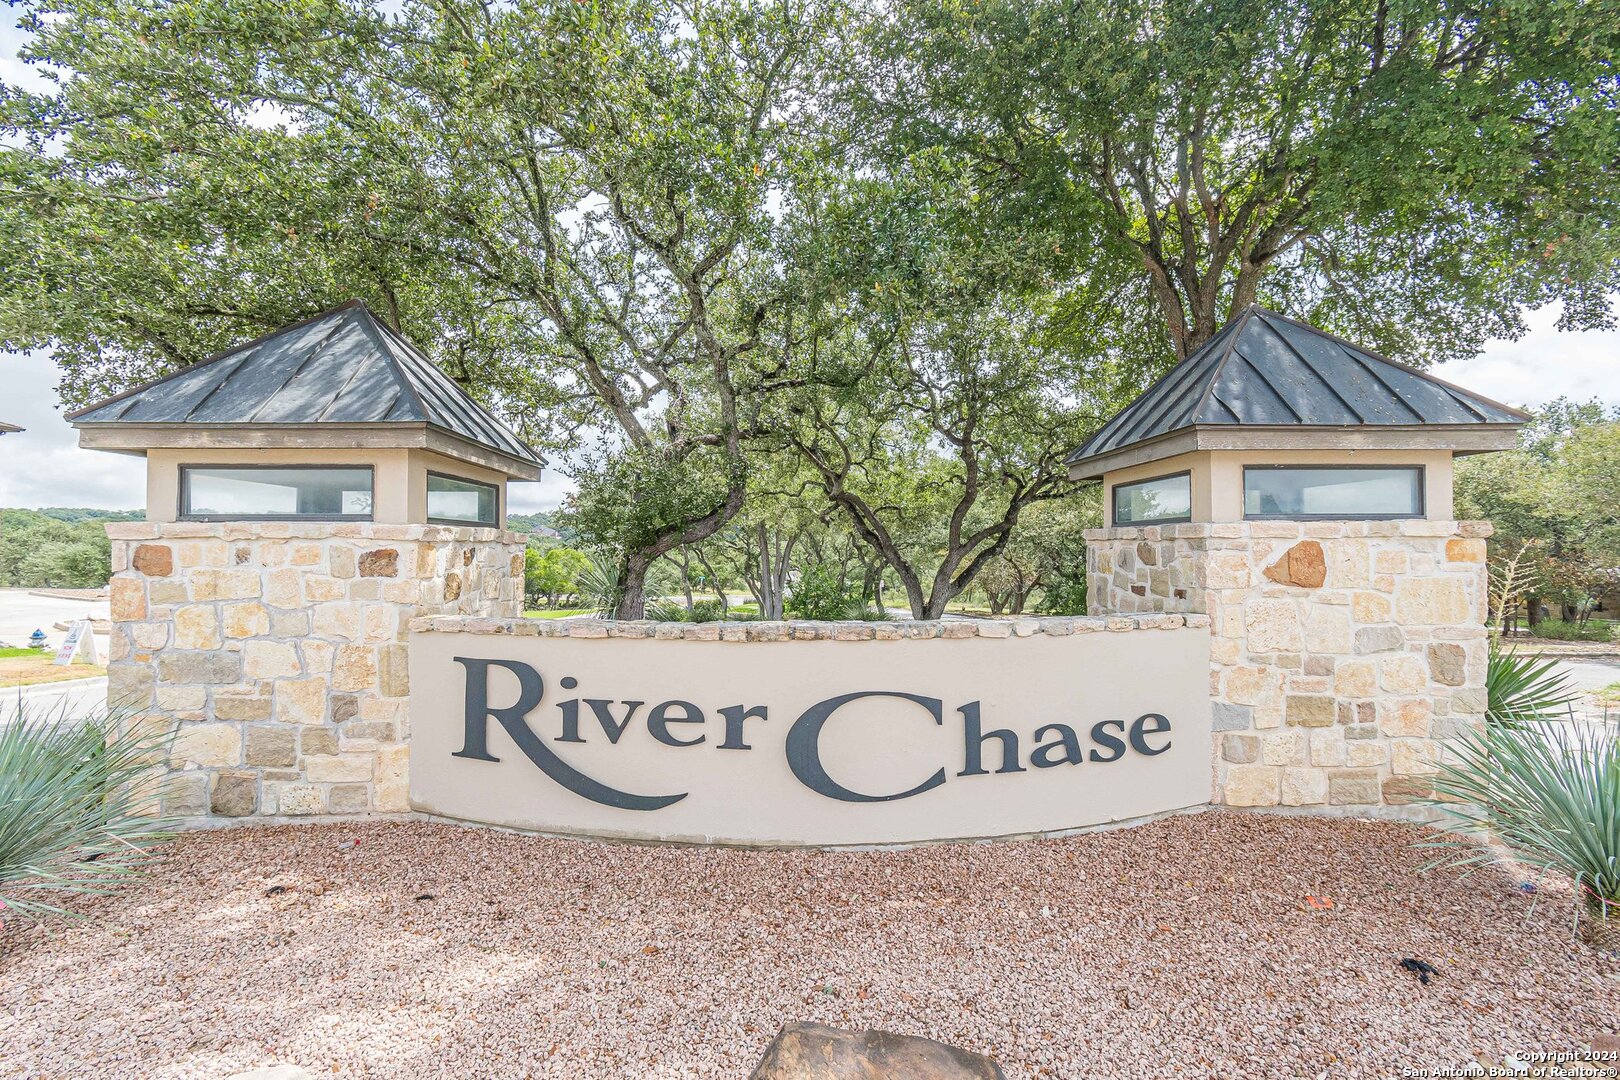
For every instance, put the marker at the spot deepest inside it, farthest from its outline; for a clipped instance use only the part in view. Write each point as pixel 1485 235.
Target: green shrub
pixel 1558 630
pixel 817 595
pixel 1065 594
pixel 69 792
pixel 1521 689
pixel 1538 795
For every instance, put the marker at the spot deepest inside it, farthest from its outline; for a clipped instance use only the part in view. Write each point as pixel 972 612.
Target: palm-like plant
pixel 1524 689
pixel 71 793
pixel 1543 796
pixel 599 587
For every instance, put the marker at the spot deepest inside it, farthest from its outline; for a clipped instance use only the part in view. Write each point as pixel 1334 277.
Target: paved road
pixel 76 698
pixel 21 613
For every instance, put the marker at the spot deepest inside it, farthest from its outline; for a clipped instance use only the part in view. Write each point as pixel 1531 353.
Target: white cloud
pixel 43 465
pixel 1542 365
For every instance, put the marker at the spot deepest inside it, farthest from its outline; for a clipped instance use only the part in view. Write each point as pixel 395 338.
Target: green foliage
pixel 1544 796
pixel 64 549
pixel 819 595
pixel 1066 593
pixel 1591 630
pixel 1554 498
pixel 1405 173
pixel 1524 689
pixel 599 584
pixel 70 796
pixel 553 575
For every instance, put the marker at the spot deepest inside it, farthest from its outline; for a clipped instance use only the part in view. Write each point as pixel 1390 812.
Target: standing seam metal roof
pixel 1265 370
pixel 341 367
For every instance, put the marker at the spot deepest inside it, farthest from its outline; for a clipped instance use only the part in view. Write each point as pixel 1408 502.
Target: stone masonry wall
pixel 278 651
pixel 1342 653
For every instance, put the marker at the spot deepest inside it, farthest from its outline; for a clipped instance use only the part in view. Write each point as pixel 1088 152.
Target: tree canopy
pixel 886 262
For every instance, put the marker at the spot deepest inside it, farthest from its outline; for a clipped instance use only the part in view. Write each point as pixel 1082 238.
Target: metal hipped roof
pixel 1264 370
pixel 344 367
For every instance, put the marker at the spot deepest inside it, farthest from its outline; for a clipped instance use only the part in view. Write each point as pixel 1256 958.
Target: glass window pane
pixel 466 501
pixel 1350 493
pixel 241 492
pixel 1168 498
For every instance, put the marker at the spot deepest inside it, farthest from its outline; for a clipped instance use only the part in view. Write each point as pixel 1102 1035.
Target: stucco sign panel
pixel 809 742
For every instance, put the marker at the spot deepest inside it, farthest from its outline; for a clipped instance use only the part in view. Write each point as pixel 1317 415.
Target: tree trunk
pixel 686 577
pixel 632 587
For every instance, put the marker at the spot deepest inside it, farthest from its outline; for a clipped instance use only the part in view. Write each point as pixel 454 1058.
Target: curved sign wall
pixel 809 742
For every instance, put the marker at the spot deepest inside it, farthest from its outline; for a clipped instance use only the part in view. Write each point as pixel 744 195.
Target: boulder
pixel 804 1051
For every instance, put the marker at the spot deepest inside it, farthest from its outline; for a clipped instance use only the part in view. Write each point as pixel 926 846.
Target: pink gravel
pixel 1184 947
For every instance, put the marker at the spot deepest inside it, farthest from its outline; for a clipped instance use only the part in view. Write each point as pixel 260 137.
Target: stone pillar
pixel 1342 653
pixel 278 651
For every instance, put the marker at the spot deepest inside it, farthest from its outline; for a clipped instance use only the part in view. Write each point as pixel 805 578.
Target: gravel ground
pixel 1183 947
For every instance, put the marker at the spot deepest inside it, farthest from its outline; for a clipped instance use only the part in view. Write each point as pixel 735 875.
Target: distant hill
pixel 539 525
pixel 75 514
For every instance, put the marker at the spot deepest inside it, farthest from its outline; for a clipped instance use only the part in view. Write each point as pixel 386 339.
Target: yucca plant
pixel 598 584
pixel 70 792
pixel 1524 689
pixel 1546 796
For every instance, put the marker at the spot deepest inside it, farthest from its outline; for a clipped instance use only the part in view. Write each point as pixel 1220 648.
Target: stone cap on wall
pixel 304 530
pixel 804 630
pixel 1293 529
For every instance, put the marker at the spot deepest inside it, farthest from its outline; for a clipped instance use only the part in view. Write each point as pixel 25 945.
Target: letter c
pixel 804 747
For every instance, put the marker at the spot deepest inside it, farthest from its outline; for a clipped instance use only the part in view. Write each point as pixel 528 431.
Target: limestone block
pixel 1405 717
pixel 1310 710
pixel 1327 749
pixel 1403 673
pixel 1302 565
pixel 390 798
pixel 196 626
pixel 235 794
pixel 1228 717
pixel 1374 639
pixel 317 656
pixel 180 699
pixel 1285 747
pixel 340 561
pixel 1304 787
pixel 1355 679
pixel 1460 549
pixel 1365 753
pixel 126 597
pixel 1390 561
pixel 298 800
pixel 1412 757
pixel 1353 787
pixel 319 588
pixel 185 796
pixel 337 619
pixel 338 769
pixel 1370 607
pixel 1272 626
pixel 211 584
pixel 167 591
pixel 301 701
pixel 318 741
pixel 381 562
pixel 284 588
pixel 393 671
pixel 289 624
pixel 272 747
pixel 1240 749
pixel 130 684
pixel 1252 785
pixel 270 659
pixel 1448 663
pixel 205 668
pixel 153 560
pixel 241 707
pixel 1227 570
pixel 207 745
pixel 245 620
pixel 348 799
pixel 1327 630
pixel 355 668
pixel 1433 601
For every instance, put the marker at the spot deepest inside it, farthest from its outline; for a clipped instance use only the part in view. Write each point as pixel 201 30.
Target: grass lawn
pixel 556 613
pixel 25 667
